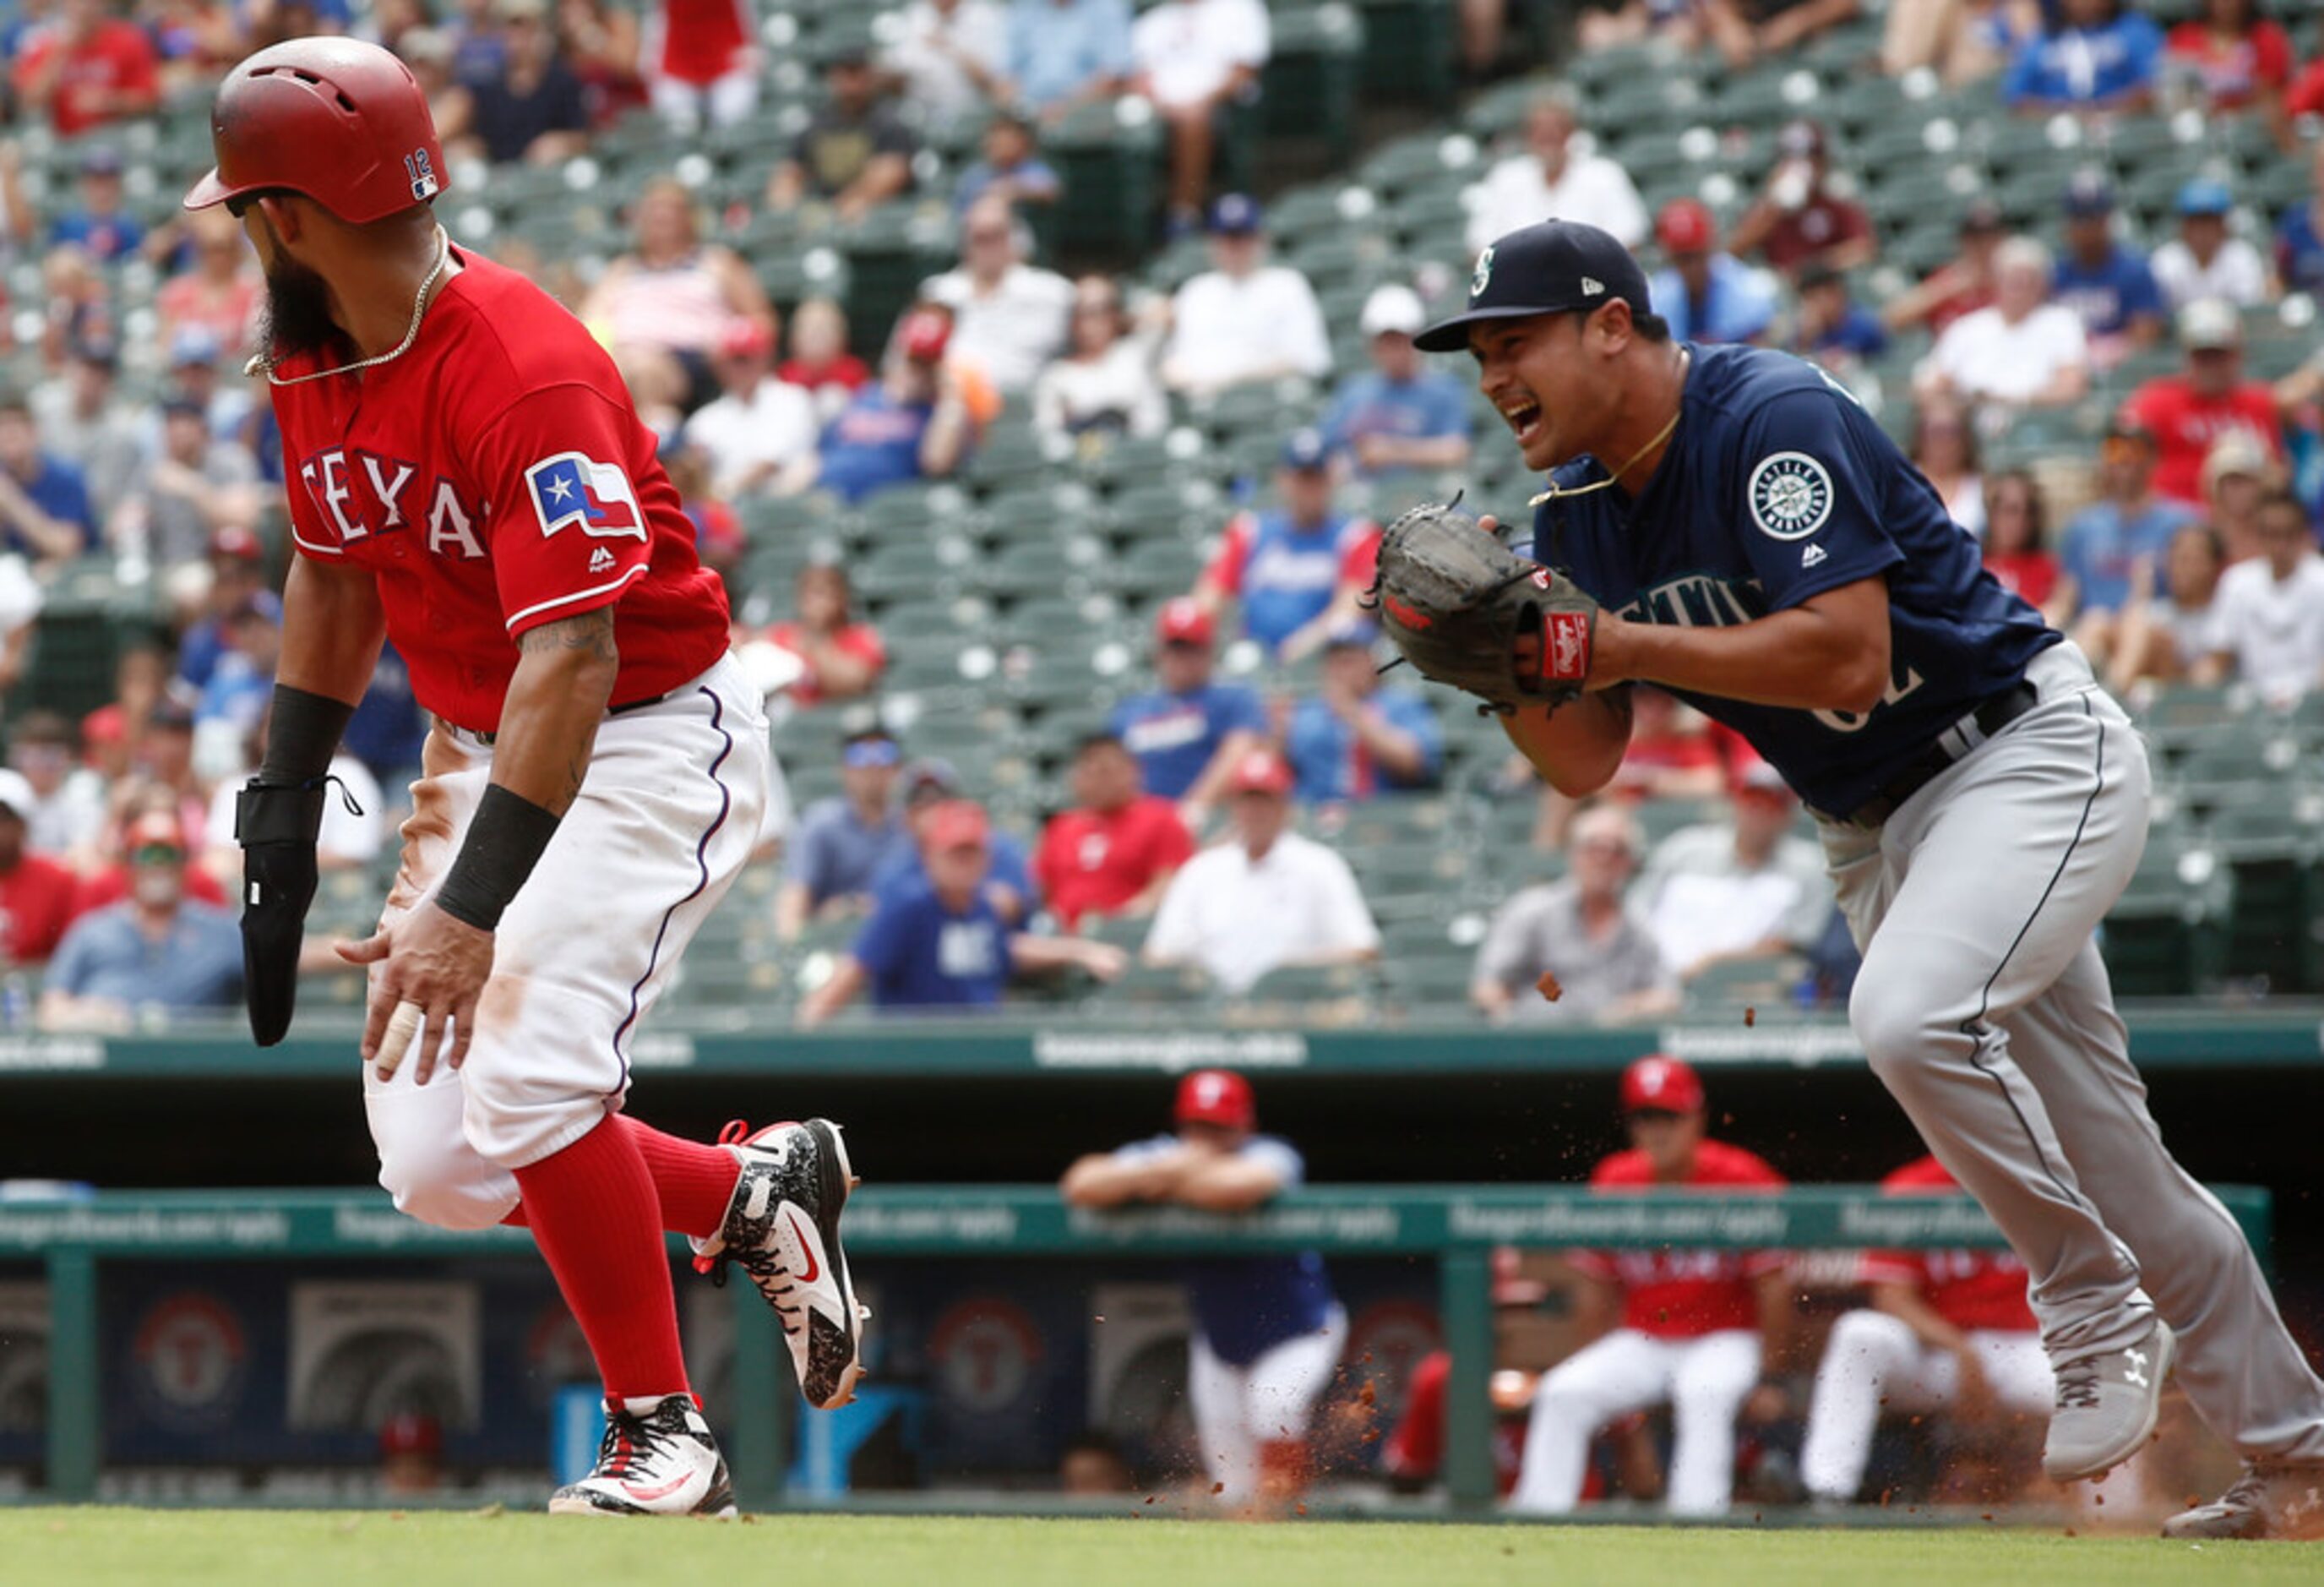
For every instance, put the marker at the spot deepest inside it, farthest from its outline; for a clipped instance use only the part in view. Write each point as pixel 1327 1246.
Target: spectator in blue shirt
pixel 1399 415
pixel 2094 57
pixel 2100 554
pixel 1011 167
pixel 1353 739
pixel 938 944
pixel 154 950
pixel 910 424
pixel 2108 284
pixel 44 507
pixel 1065 53
pixel 1188 734
pixel 842 842
pixel 1706 294
pixel 242 684
pixel 928 786
pixel 99 226
pixel 1834 329
pixel 2300 237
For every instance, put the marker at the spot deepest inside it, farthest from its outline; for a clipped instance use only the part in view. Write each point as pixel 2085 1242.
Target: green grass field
pixel 184 1548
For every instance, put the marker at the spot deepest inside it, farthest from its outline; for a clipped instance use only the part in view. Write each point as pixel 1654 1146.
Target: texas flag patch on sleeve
pixel 572 488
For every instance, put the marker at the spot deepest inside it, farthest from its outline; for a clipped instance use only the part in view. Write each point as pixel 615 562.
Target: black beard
pixel 297 315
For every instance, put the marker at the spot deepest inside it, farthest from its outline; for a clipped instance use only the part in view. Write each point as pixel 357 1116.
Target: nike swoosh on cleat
pixel 648 1495
pixel 813 1269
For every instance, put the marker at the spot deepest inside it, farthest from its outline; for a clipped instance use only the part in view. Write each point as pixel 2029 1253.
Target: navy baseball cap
pixel 2088 195
pixel 1236 215
pixel 1306 450
pixel 1553 267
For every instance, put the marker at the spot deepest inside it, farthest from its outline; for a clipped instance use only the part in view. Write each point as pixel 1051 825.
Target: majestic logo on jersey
pixel 1791 495
pixel 601 560
pixel 421 171
pixel 1477 283
pixel 570 488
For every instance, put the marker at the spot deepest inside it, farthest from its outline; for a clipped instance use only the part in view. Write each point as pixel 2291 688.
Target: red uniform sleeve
pixel 1360 562
pixel 862 640
pixel 2272 52
pixel 1225 571
pixel 1173 845
pixel 1050 859
pixel 1888 1267
pixel 568 524
pixel 2306 95
pixel 1416 1448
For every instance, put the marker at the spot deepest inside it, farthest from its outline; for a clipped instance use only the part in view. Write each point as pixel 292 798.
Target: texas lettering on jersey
pixel 367 495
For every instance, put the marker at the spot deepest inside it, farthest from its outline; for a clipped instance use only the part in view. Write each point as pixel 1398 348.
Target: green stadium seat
pixel 1308 88
pixel 1409 52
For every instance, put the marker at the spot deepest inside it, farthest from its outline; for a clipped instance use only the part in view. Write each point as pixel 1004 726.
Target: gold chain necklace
pixel 263 363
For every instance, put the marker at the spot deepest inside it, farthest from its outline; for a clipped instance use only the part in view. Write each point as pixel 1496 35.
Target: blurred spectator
pixel 36 893
pixel 2205 260
pixel 79 303
pixel 1961 285
pixel 2236 57
pixel 235 700
pixel 2237 475
pixel 949 56
pixel 1399 416
pixel 411 1454
pixel 842 657
pixel 665 303
pixel 1947 1330
pixel 1695 1328
pixel 1113 853
pixel 1579 931
pixel 759 435
pixel 1244 319
pixel 1834 329
pixel 717 528
pixel 44 507
pixel 194 40
pixel 237 574
pixel 2102 547
pixel 1671 755
pixel 533 111
pixel 700 62
pixel 1675 24
pixel 937 942
pixel 1706 293
pixel 1354 739
pixel 2189 411
pixel 195 351
pixel 602 47
pixel 2300 235
pixel 89 67
pixel 2174 632
pixel 820 360
pixel 451 104
pixel 1961 40
pixel 1266 897
pixel 1797 221
pixel 176 505
pixel 1552 177
pixel 2272 608
pixel 841 842
pixel 929 785
pixel 2103 280
pixel 1193 59
pixel 1103 384
pixel 20 605
pixel 353 829
pixel 1093 1465
pixel 1944 450
pixel 2024 352
pixel 2094 57
pixel 1010 318
pixel 914 424
pixel 1067 54
pixel 1297 570
pixel 479 48
pixel 2017 540
pixel 1736 888
pixel 98 225
pixel 1747 30
pixel 1268 1331
pixel 1190 734
pixel 219 290
pixel 157 949
pixel 83 422
pixel 389 727
pixel 1010 168
pixel 854 155
pixel 64 803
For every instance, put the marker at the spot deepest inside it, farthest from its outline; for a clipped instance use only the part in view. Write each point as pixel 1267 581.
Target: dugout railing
pixel 1457 1226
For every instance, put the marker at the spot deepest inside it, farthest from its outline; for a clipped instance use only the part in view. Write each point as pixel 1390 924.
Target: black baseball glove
pixel 1457 603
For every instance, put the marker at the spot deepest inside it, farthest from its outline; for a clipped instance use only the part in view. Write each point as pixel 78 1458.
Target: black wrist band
pixel 505 843
pixel 302 733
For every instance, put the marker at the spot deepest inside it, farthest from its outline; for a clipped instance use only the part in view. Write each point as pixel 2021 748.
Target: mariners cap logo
pixel 1791 495
pixel 1477 283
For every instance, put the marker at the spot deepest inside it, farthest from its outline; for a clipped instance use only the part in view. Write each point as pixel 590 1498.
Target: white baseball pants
pixel 1268 1400
pixel 1874 1361
pixel 1705 1380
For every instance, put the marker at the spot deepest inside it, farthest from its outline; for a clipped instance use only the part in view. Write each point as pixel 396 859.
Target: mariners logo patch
pixel 1484 275
pixel 1791 495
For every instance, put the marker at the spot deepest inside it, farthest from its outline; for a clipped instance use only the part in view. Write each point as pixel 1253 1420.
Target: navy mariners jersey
pixel 1776 488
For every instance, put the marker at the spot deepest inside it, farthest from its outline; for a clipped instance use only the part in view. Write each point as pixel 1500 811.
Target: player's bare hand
pixel 434 963
pixel 1767 1403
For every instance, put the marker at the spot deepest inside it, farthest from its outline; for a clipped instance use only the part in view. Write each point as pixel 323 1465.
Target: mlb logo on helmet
pixel 570 488
pixel 421 166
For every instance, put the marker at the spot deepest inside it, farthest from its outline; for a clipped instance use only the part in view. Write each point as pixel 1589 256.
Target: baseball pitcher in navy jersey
pixel 1759 548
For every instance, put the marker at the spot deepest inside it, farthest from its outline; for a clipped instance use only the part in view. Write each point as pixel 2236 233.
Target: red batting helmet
pixel 340 121
pixel 1216 1096
pixel 1661 1084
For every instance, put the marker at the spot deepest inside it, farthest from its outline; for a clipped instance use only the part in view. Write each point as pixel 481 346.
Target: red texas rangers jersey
pixel 493 478
pixel 1685 1294
pixel 1968 1288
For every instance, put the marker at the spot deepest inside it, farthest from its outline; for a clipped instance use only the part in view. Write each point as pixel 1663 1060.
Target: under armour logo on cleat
pixel 2137 1371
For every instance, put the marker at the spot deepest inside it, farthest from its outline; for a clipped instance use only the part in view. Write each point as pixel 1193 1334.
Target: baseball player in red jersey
pixel 468 477
pixel 1695 1326
pixel 1947 1330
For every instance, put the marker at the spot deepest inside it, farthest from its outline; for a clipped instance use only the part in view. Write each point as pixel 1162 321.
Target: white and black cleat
pixel 783 1229
pixel 658 1459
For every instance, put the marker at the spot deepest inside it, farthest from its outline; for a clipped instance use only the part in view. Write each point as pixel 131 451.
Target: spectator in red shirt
pixel 843 658
pixel 1671 755
pixel 2188 411
pixel 820 360
pixel 1694 1328
pixel 1798 220
pixel 1962 285
pixel 2016 538
pixel 2239 57
pixel 1114 852
pixel 92 67
pixel 218 289
pixel 36 893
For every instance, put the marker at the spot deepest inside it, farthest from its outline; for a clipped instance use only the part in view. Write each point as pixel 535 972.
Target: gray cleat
pixel 2266 1501
pixel 2107 1405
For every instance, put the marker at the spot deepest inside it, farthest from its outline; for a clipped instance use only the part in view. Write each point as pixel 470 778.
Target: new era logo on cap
pixel 1591 287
